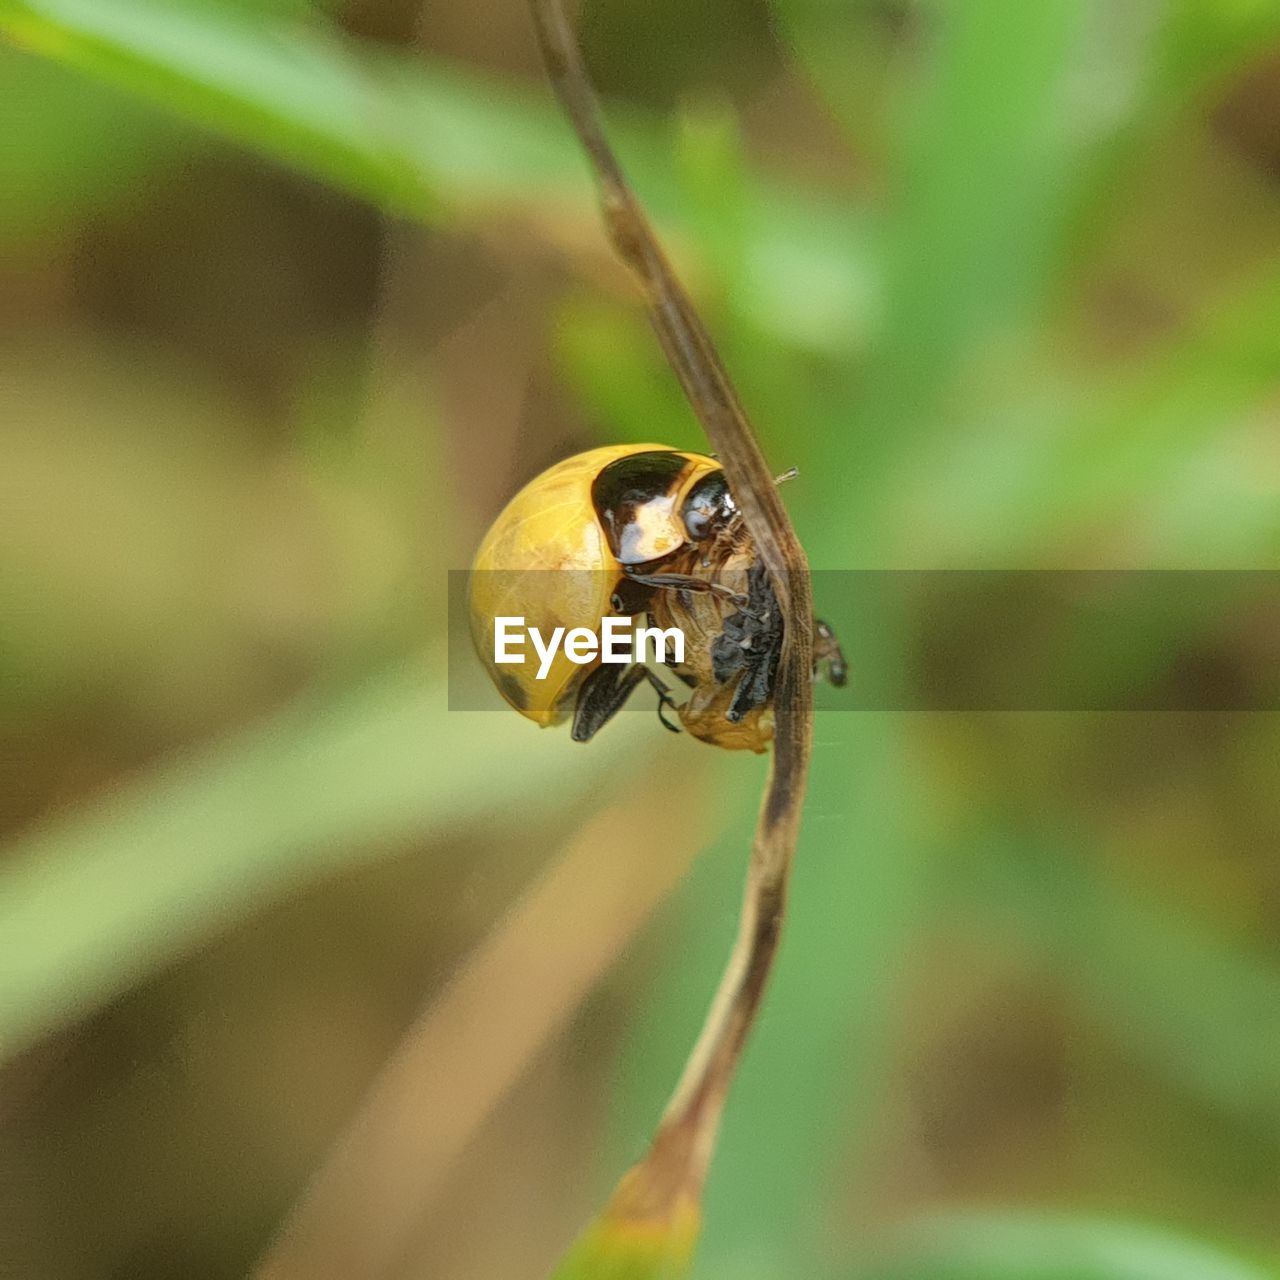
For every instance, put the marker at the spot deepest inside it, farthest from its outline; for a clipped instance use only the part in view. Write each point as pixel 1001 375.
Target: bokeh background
pixel 294 296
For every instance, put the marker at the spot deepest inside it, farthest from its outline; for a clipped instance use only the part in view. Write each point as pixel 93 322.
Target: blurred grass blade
pixel 94 904
pixel 985 160
pixel 294 94
pixel 987 156
pixel 994 1246
pixel 421 137
pixel 514 992
pixel 1133 443
pixel 1201 1009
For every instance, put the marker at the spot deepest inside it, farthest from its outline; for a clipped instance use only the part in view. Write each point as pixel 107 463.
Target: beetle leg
pixel 828 657
pixel 604 693
pixel 665 699
pixel 601 697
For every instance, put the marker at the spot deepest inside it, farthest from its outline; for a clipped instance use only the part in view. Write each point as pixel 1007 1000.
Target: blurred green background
pixel 294 297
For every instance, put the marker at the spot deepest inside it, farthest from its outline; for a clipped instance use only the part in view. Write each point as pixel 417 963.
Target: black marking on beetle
pixel 511 689
pixel 624 487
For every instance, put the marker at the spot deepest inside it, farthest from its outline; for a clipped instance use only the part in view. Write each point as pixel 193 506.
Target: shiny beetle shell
pixel 594 514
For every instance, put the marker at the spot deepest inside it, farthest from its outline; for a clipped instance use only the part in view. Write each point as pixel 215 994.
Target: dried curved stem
pixel 671 1175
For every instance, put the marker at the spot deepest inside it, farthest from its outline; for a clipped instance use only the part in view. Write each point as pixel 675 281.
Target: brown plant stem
pixel 674 1170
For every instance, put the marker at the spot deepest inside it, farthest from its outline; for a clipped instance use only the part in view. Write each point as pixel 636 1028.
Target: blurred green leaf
pixel 994 1246
pixel 73 149
pixel 1137 441
pixel 421 137
pixel 608 351
pixel 710 159
pixel 298 96
pixel 986 158
pixel 1069 459
pixel 829 39
pixel 1203 1011
pixel 990 151
pixel 1204 41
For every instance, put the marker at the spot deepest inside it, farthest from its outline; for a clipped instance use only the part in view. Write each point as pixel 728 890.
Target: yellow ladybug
pixel 631 529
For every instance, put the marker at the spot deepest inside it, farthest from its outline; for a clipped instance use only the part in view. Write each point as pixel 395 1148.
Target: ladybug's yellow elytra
pixel 555 558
